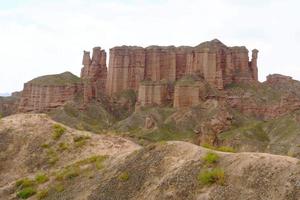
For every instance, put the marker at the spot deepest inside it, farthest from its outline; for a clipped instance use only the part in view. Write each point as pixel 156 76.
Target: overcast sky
pixel 45 37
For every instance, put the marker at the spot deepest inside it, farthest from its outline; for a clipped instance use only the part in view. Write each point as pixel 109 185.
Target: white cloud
pixel 44 37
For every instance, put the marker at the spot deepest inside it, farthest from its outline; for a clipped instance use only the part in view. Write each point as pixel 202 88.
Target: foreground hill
pixel 52 161
pixel 33 144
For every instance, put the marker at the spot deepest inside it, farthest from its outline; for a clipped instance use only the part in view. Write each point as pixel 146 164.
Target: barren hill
pixel 58 162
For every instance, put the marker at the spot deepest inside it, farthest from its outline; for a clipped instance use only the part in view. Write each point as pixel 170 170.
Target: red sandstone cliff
pixel 94 74
pixel 47 92
pixel 218 64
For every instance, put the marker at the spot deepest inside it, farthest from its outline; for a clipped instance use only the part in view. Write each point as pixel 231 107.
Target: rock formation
pixel 94 74
pixel 218 64
pixel 126 69
pixel 152 93
pixel 47 92
pixel 8 105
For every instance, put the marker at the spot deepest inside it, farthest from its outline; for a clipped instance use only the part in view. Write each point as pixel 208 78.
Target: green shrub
pixel 211 158
pixel 221 148
pixel 68 173
pixel 45 145
pixel 124 176
pixel 63 146
pixel 208 177
pixel 42 194
pixel 41 178
pixel 59 187
pixel 208 146
pixel 80 141
pixel 72 173
pixel 26 192
pixel 52 156
pixel 58 131
pixel 226 149
pixel 23 183
pixel 98 160
pixel 80 138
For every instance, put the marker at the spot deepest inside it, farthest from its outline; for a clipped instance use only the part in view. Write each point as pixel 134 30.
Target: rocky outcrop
pixel 153 93
pixel 126 69
pixel 94 74
pixel 218 64
pixel 8 105
pixel 274 79
pixel 47 92
pixel 188 92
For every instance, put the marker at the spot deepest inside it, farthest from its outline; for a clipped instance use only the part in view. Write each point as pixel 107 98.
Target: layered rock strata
pixel 48 92
pixel 94 74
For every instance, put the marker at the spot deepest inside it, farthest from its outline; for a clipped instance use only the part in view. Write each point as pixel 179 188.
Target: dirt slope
pixel 29 145
pixel 124 170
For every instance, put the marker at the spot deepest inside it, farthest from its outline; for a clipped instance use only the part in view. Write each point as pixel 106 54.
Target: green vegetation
pixel 59 187
pixel 226 149
pixel 262 135
pixel 52 156
pixel 63 146
pixel 211 158
pixel 221 148
pixel 66 78
pixel 124 176
pixel 58 131
pixel 45 145
pixel 41 178
pixel 210 176
pixel 42 194
pixel 80 141
pixel 25 182
pixel 26 192
pixel 75 170
pixel 68 173
pixel 98 160
pixel 94 118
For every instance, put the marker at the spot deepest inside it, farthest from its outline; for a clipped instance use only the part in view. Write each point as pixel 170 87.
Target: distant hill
pixel 4 94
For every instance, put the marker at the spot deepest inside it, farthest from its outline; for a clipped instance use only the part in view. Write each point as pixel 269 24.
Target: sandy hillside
pixel 113 168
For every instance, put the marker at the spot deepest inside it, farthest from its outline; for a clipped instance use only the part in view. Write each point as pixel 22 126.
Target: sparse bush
pixel 80 138
pixel 72 173
pixel 124 176
pixel 226 149
pixel 45 145
pixel 211 158
pixel 42 194
pixel 58 131
pixel 68 173
pixel 221 148
pixel 208 146
pixel 62 146
pixel 23 183
pixel 98 160
pixel 59 187
pixel 52 156
pixel 208 177
pixel 41 178
pixel 26 192
pixel 80 141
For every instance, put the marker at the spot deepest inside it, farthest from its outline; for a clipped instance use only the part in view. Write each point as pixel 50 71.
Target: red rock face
pixel 126 69
pixel 218 64
pixel 94 74
pixel 152 94
pixel 43 98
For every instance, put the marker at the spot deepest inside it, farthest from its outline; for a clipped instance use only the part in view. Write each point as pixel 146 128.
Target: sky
pixel 47 37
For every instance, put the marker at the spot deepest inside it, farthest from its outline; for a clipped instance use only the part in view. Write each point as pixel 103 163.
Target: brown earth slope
pixel 106 167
